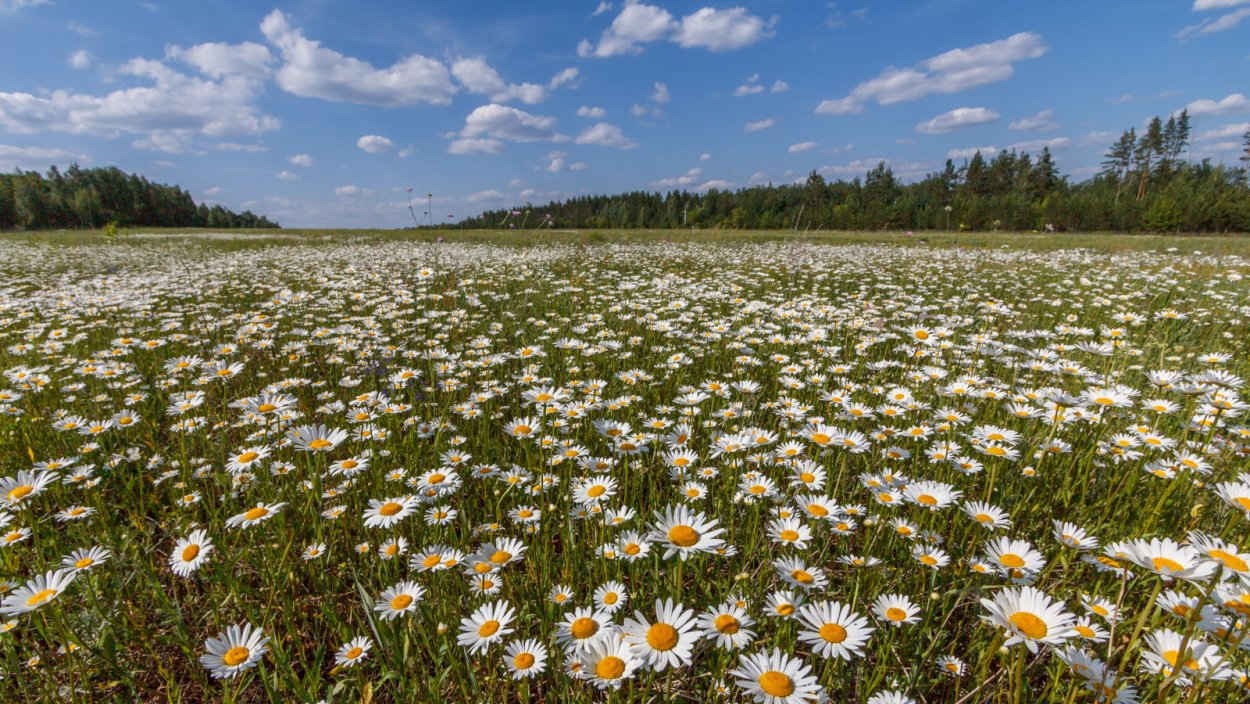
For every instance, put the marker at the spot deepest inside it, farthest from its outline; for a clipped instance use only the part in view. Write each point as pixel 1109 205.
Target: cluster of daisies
pixel 775 471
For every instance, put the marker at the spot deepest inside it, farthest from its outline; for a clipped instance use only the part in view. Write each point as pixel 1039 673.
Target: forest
pixel 93 198
pixel 1147 184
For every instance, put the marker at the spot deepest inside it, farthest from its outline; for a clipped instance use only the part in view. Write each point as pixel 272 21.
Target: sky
pixel 323 114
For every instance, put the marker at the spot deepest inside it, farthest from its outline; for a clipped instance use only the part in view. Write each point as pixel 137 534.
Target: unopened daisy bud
pixel 934 596
pixel 442 628
pixel 741 576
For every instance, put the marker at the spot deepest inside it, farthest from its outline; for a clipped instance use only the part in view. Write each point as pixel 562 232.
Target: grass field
pixel 308 466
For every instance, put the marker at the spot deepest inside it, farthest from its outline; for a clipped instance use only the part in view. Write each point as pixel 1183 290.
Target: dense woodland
pixel 1147 184
pixel 91 198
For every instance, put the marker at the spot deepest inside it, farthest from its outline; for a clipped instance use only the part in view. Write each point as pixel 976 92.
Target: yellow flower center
pixel 256 513
pixel 817 510
pixel 436 479
pixel 1230 560
pixel 789 535
pixel 500 557
pixel 610 668
pixel 584 628
pixel 235 655
pixel 832 633
pixel 40 597
pixel 319 444
pixel 1162 563
pixel 488 629
pixel 523 661
pixel 727 624
pixel 776 684
pixel 353 653
pixel 1085 631
pixel 662 636
pixel 390 508
pixel 807 477
pixel 18 493
pixel 927 500
pixel 785 609
pixel 611 597
pixel 401 602
pixel 633 549
pixel 266 408
pixel 1173 656
pixel 248 457
pixel 1028 624
pixel 190 552
pixel 84 563
pixel 1011 560
pixel 683 536
pixel 802 577
pixel 895 614
pixel 821 438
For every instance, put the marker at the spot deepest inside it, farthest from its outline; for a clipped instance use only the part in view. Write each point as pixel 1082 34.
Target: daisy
pixel 632 546
pixel 1202 660
pixel 525 658
pixel 399 600
pixel 314 551
pixel 783 604
pixel 1169 560
pixel 608 663
pixel 1014 555
pixel 1073 536
pixel 668 641
pixel 261 512
pixel 316 438
pixel 895 609
pixel 1029 616
pixel 775 678
pixel 951 666
pixel 247 459
pixel 797 573
pixel 683 532
pixel 790 532
pixel 353 651
pixel 833 630
pixel 37 592
pixel 81 560
pixel 384 514
pixel 581 628
pixel 24 486
pixel 560 595
pixel 931 495
pixel 238 649
pixel 485 626
pixel 501 552
pixel 728 625
pixel 190 553
pixel 610 597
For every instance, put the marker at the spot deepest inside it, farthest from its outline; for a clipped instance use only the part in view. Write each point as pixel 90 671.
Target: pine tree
pixel 1119 159
pixel 1148 147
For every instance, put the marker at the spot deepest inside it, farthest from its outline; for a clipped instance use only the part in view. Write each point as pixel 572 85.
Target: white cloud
pixel 475 146
pixel 1211 25
pixel 36 158
pixel 637 24
pixel 81 29
pixel 661 94
pixel 748 89
pixel 758 125
pixel 287 176
pixel 704 156
pixel 478 77
pixel 351 191
pixel 15 5
pixel 722 30
pixel 1233 103
pixel 757 178
pixel 1234 130
pixel 300 160
pixel 689 178
pixel 707 28
pixel 802 147
pixel 407 152
pixel 217 60
pixel 374 144
pixel 1040 122
pixel 969 152
pixel 1031 145
pixel 585 111
pixel 312 71
pixel 638 110
pixel 779 86
pixel 950 72
pixel 568 76
pixel 501 122
pixel 238 147
pixel 1201 5
pixel 605 135
pixel 213 192
pixel 166 115
pixel 79 59
pixel 604 6
pixel 719 184
pixel 485 196
pixel 904 170
pixel 959 118
pixel 578 166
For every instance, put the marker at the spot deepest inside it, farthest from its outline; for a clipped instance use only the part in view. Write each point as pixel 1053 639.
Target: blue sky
pixel 323 113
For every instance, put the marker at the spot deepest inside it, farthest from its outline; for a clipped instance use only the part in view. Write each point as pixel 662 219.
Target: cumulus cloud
pixel 1234 103
pixel 707 28
pixel 15 5
pixel 36 158
pixel 213 192
pixel 503 122
pixel 475 146
pixel 486 196
pixel 310 70
pixel 351 191
pixel 1041 122
pixel 802 147
pixel 1031 145
pixel 722 30
pixel 287 176
pixel 758 125
pixel 79 59
pixel 374 144
pixel 748 89
pixel 1211 25
pixel 779 86
pixel 240 147
pixel 604 6
pixel 719 184
pixel 300 160
pixel 478 77
pixel 166 115
pixel 950 72
pixel 660 95
pixel 218 60
pixel 959 118
pixel 1236 129
pixel 586 111
pixel 605 135
pixel 689 178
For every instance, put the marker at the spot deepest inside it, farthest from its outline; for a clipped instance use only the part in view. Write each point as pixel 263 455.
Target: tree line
pixel 1146 184
pixel 92 198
